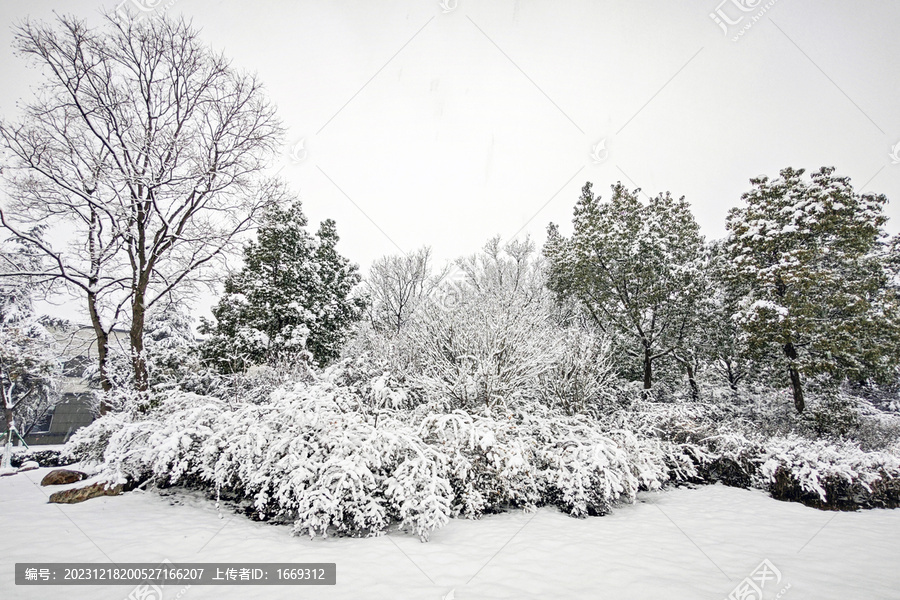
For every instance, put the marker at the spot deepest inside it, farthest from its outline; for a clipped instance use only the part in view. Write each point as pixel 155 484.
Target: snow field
pixel 680 543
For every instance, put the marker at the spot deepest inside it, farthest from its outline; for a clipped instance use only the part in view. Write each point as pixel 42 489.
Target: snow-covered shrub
pixel 707 443
pixel 878 429
pixel 353 451
pixel 842 413
pixel 832 413
pixel 324 457
pixel 491 461
pixel 165 445
pixel 486 350
pixel 588 472
pixel 506 458
pixel 700 442
pixel 49 457
pixel 302 455
pixel 420 493
pixel 581 372
pixel 491 348
pixel 729 457
pixel 89 443
pixel 376 389
pixel 675 421
pixel 123 399
pixel 829 475
pixel 297 454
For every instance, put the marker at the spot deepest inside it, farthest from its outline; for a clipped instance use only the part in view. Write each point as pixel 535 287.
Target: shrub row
pixel 317 454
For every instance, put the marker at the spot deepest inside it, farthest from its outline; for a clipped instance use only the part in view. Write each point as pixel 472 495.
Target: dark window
pixel 43 425
pixel 74 367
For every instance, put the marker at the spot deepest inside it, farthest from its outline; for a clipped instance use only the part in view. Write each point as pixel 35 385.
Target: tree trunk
pixel 692 381
pixel 648 368
pixel 102 347
pixel 799 403
pixel 10 427
pixel 732 376
pixel 695 389
pixel 791 352
pixel 136 337
pixel 99 332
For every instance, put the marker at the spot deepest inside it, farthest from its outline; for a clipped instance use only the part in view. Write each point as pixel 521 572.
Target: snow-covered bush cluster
pixel 707 444
pixel 308 454
pixel 339 459
pixel 829 474
pixel 50 457
pixel 501 398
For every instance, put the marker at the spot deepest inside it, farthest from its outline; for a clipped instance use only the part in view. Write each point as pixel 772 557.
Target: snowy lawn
pixel 680 543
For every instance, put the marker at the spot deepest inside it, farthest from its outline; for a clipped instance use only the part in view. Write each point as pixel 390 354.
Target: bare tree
pixel 512 266
pixel 143 154
pixel 396 287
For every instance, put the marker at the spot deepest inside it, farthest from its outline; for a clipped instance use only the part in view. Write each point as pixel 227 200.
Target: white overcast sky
pixel 421 123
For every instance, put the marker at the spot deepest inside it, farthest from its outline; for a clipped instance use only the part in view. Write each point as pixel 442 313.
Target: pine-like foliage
pixel 636 268
pixel 812 258
pixel 720 340
pixel 292 296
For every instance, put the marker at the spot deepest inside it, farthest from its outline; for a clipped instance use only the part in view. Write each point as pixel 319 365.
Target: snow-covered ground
pixel 680 543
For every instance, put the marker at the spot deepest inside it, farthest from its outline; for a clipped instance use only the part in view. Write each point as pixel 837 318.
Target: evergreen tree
pixel 812 256
pixel 723 342
pixel 293 295
pixel 635 267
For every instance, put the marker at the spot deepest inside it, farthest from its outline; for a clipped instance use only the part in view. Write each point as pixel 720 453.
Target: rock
pixel 81 494
pixel 8 471
pixel 31 465
pixel 62 476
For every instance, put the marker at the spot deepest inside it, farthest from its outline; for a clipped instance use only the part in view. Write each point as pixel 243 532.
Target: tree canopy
pixel 812 256
pixel 636 267
pixel 142 153
pixel 292 295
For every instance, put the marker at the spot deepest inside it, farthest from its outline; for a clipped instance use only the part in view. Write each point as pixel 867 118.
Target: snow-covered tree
pixel 293 295
pixel 511 267
pixel 170 350
pixel 721 337
pixel 490 347
pixel 29 366
pixel 143 151
pixel 396 287
pixel 501 341
pixel 635 267
pixel 812 256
